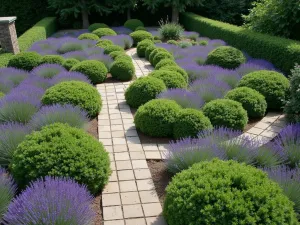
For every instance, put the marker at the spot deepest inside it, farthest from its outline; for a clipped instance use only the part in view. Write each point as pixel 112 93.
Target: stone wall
pixel 8 35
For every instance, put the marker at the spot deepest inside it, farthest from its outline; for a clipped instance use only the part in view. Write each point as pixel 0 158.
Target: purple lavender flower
pixel 6 85
pixel 123 40
pixel 36 81
pixel 121 30
pixel 106 59
pixel 67 76
pixel 216 43
pixel 183 97
pixel 262 63
pixel 72 115
pixel 94 51
pixel 52 201
pixel 11 135
pixel 248 68
pixel 13 74
pixel 48 70
pixel 79 55
pixel 191 35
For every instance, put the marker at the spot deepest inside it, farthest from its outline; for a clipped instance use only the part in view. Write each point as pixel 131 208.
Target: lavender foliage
pixel 248 68
pixel 48 70
pixel 16 76
pixel 122 40
pixel 68 76
pixel 79 55
pixel 52 201
pixel 121 30
pixel 106 59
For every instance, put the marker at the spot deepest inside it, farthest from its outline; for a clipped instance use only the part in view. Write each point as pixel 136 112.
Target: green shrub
pixel 143 90
pixel 25 60
pixel 170 31
pixel 149 50
pixel 76 93
pixel 203 43
pixel 4 59
pixel 2 95
pixel 96 26
pixel 142 46
pixel 172 42
pixel 161 56
pixel 122 70
pixel 88 36
pixel 93 69
pixel 226 192
pixel 171 79
pixel 140 35
pixel 52 59
pixel 115 54
pixel 272 85
pixel 253 102
pixel 157 41
pixel 40 31
pixel 177 69
pixel 189 123
pixel 185 44
pixel 112 48
pixel 156 118
pixel 140 28
pixel 154 52
pixel 61 150
pixel 283 53
pixel 103 43
pixel 133 24
pixel 226 113
pixel 226 57
pixel 164 63
pixel 124 57
pixel 156 38
pixel 69 63
pixel 100 32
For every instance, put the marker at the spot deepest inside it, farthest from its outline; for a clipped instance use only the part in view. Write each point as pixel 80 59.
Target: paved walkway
pixel 130 197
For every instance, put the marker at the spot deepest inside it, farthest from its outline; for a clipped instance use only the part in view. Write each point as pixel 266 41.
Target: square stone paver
pixel 135 148
pixel 137 155
pixel 111 199
pixel 113 176
pixel 150 147
pixel 126 186
pixel 139 164
pixel 159 220
pixel 152 209
pixel 126 175
pixel 132 211
pixel 145 185
pixel 139 221
pixel 105 141
pixel 269 134
pixel 133 140
pixel 104 134
pixel 123 165
pixel 153 155
pixel 116 122
pixel 112 213
pixel 262 125
pixel 120 148
pixel 274 129
pixel 118 134
pixel 130 198
pixel 279 123
pixel 121 156
pixel 115 116
pixel 111 187
pixel 131 133
pixel 142 174
pixel 119 141
pixel 117 127
pixel 112 166
pixel 255 131
pixel 114 222
pixel 103 128
pixel 148 196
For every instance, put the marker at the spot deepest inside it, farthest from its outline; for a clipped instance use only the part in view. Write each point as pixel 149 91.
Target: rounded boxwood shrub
pixel 61 151
pixel 226 56
pixel 96 26
pixel 76 93
pixel 189 123
pixel 142 46
pixel 93 69
pixel 52 59
pixel 69 63
pixel 226 192
pixel 226 113
pixel 115 54
pixel 253 102
pixel 164 63
pixel 156 118
pixel 124 57
pixel 112 48
pixel 272 85
pixel 103 43
pixel 160 56
pixel 172 42
pixel 143 90
pixel 154 52
pixel 25 60
pixel 88 36
pixel 149 50
pixel 132 24
pixel 100 32
pixel 157 41
pixel 2 94
pixel 122 70
pixel 177 69
pixel 140 35
pixel 140 28
pixel 170 78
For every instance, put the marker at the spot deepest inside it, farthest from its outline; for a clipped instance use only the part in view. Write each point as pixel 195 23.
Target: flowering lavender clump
pixel 7 191
pixel 6 85
pixel 191 35
pixel 94 51
pixel 230 77
pixel 262 63
pixel 183 97
pixel 13 74
pixel 11 135
pixel 216 43
pixel 52 201
pixel 48 70
pixel 121 30
pixel 123 40
pixel 79 55
pixel 36 81
pixel 248 68
pixel 72 115
pixel 68 76
pixel 106 59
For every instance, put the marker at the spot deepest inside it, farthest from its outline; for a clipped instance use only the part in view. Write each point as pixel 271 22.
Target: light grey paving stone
pixel 255 131
pixel 111 199
pixel 117 128
pixel 115 116
pixel 159 220
pixel 119 141
pixel 120 148
pixel 133 211
pixel 104 134
pixel 112 213
pixel 141 174
pixel 111 187
pixel 269 134
pixel 103 117
pixel 139 164
pixel 152 209
pixel 280 123
pixel 125 175
pixel 116 122
pixel 163 147
pixel 135 148
pixel 148 196
pixel 105 141
pixel 104 122
pixel 152 155
pixel 145 185
pixel 113 176
pixel 150 147
pixel 109 148
pixel 111 156
pixel 114 222
pixel 138 221
pixel 103 128
pixel 131 133
pixel 120 156
pixel 112 166
pixel 274 129
pixel 123 165
pixel 133 140
pixel 262 125
pixel 130 198
pixel 126 186
pixel 137 155
pixel 118 134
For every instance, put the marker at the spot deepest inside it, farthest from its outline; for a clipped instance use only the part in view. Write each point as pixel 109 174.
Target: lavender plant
pixel 106 59
pixel 48 70
pixel 248 68
pixel 123 40
pixel 68 76
pixel 16 76
pixel 121 30
pixel 79 55
pixel 52 201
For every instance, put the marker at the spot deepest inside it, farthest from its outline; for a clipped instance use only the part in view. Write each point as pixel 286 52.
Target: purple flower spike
pixel 52 201
pixel 122 40
pixel 262 63
pixel 106 59
pixel 183 97
pixel 79 55
pixel 216 43
pixel 37 81
pixel 48 70
pixel 94 51
pixel 248 68
pixel 67 76
pixel 121 30
pixel 13 74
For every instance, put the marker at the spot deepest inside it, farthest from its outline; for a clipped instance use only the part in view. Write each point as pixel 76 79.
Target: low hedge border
pixel 283 53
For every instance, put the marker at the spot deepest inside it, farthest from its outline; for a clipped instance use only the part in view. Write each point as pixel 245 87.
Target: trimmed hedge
pixel 52 59
pixel 25 60
pixel 69 63
pixel 40 31
pixel 171 79
pixel 112 48
pixel 149 50
pixel 142 46
pixel 154 52
pixel 103 43
pixel 100 32
pixel 88 36
pixel 164 63
pixel 115 54
pixel 122 70
pixel 161 56
pixel 4 59
pixel 283 53
pixel 177 69
pixel 140 35
pixel 132 24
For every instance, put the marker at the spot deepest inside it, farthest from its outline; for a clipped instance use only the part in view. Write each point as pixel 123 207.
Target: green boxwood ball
pixel 103 43
pixel 122 70
pixel 172 42
pixel 1 94
pixel 96 26
pixel 112 48
pixel 25 60
pixel 124 57
pixel 171 79
pixel 142 46
pixel 93 69
pixel 140 35
pixel 226 113
pixel 69 63
pixel 253 102
pixel 62 151
pixel 88 36
pixel 133 24
pixel 154 52
pixel 157 41
pixel 177 69
pixel 272 85
pixel 140 28
pixel 100 32
pixel 160 56
pixel 143 90
pixel 190 122
pixel 76 93
pixel 149 50
pixel 226 56
pixel 156 118
pixel 52 59
pixel 164 63
pixel 115 54
pixel 227 193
